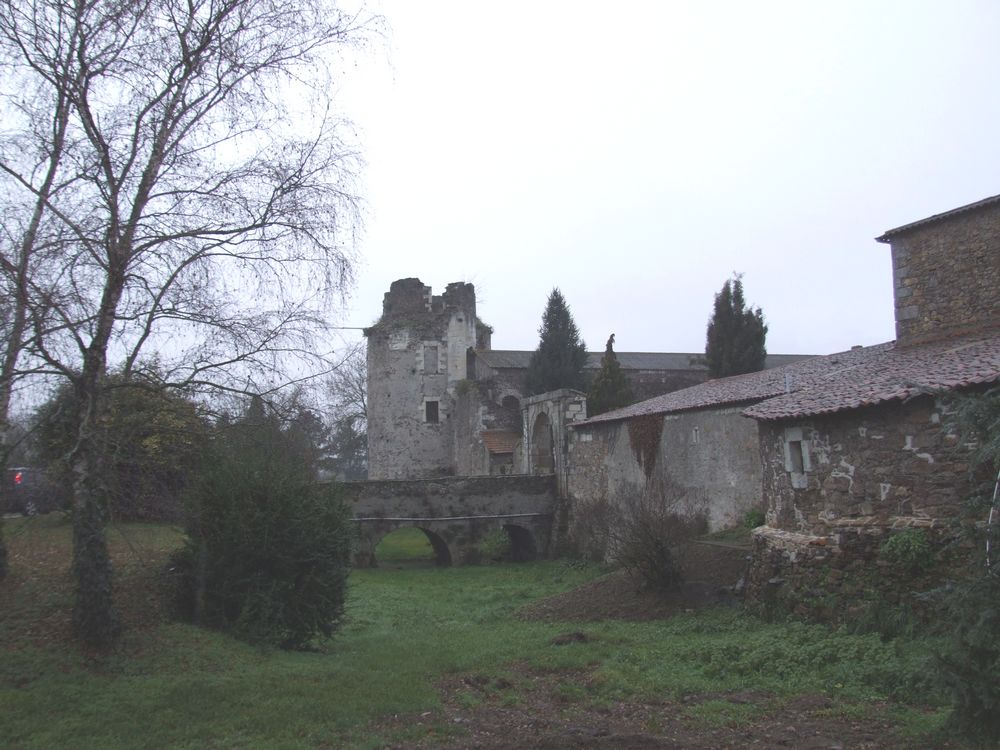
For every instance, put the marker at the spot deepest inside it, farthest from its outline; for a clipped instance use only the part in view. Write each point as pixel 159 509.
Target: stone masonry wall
pixel 865 475
pixel 946 275
pixel 455 512
pixel 416 355
pixel 892 465
pixel 709 457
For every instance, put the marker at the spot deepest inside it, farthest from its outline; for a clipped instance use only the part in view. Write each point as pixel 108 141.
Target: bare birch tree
pixel 205 221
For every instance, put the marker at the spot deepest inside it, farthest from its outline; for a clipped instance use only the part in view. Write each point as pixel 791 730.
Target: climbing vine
pixel 644 438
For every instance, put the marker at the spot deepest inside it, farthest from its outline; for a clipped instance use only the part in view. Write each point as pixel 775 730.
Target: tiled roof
pixel 888 235
pixel 512 359
pixel 500 441
pixel 822 385
pixel 896 375
pixel 740 389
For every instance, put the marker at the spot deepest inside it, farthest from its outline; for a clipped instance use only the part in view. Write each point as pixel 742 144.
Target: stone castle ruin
pixel 840 452
pixel 442 402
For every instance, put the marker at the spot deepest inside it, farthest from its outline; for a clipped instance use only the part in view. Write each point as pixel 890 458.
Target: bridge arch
pixel 522 543
pixel 442 552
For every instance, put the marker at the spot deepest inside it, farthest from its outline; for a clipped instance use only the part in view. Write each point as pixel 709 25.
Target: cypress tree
pixel 610 389
pixel 735 340
pixel 559 360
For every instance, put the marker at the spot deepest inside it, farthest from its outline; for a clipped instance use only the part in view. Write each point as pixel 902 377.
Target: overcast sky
pixel 636 154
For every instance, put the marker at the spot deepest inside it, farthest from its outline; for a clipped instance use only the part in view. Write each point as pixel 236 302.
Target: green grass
pixel 407 545
pixel 172 685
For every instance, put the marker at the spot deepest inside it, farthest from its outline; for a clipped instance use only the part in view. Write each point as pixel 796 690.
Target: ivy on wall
pixel 644 438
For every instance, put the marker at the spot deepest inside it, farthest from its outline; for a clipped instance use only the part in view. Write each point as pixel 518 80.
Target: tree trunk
pixel 94 617
pixel 3 554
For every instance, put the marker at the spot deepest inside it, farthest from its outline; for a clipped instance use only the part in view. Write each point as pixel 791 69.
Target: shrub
pixel 640 537
pixel 590 528
pixel 908 550
pixel 268 550
pixel 754 518
pixel 970 669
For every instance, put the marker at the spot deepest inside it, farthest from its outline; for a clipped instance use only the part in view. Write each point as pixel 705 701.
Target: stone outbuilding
pixel 840 452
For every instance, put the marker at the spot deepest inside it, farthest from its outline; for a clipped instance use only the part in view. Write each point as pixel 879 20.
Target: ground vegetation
pixel 544 654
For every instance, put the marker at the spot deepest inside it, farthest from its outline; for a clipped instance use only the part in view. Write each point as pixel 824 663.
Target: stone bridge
pixel 455 513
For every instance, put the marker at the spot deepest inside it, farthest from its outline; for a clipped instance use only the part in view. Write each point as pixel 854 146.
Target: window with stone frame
pixel 432 413
pixel 797 459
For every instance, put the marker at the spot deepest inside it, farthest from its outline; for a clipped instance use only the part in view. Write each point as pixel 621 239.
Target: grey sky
pixel 635 154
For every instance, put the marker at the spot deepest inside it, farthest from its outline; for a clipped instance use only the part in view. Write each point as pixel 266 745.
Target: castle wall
pixel 647 384
pixel 416 358
pixel 946 275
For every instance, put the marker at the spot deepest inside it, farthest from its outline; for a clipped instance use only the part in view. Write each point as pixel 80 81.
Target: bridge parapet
pixel 454 512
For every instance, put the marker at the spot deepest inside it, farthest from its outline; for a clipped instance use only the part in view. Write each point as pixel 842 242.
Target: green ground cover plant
pixel 404 632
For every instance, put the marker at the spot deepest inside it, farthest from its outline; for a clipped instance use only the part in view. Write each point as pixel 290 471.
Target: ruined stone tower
pixel 417 354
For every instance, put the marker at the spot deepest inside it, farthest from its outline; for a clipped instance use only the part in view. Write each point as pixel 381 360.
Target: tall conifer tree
pixel 559 360
pixel 735 341
pixel 610 389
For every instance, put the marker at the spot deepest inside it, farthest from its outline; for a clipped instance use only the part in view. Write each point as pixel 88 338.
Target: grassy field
pixel 172 685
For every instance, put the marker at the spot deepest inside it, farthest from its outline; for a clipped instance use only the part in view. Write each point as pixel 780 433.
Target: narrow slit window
pixel 795 457
pixel 431 412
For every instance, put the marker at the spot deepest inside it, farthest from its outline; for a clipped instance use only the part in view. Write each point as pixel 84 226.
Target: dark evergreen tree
pixel 610 389
pixel 268 549
pixel 559 360
pixel 736 333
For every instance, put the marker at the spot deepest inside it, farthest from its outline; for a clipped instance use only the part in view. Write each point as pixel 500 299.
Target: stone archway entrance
pixel 542 460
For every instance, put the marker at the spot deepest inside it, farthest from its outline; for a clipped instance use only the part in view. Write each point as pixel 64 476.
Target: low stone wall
pixel 848 575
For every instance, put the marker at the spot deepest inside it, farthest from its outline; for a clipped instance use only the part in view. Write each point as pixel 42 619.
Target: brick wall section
pixel 946 275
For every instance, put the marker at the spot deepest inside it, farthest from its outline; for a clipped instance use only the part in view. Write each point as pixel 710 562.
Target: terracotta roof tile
pixel 848 380
pixel 898 373
pixel 500 441
pixel 741 389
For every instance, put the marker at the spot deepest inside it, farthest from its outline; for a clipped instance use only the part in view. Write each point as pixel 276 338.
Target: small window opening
pixel 696 436
pixel 430 359
pixel 796 457
pixel 431 412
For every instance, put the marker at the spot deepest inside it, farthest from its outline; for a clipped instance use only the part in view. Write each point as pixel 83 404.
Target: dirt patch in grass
pixel 710 573
pixel 555 709
pixel 564 708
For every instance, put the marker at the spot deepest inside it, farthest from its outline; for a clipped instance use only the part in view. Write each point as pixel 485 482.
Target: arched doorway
pixel 411 546
pixel 541 446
